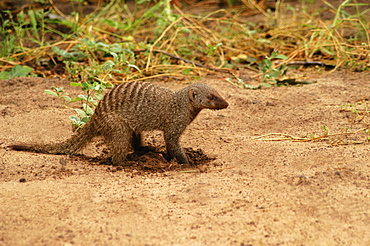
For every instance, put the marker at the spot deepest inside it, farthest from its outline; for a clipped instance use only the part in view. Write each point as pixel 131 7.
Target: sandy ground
pixel 253 193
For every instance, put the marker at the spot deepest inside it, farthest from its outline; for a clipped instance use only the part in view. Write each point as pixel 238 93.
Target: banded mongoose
pixel 131 108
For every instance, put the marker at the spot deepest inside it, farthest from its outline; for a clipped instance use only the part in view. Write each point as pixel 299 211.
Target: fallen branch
pixel 284 137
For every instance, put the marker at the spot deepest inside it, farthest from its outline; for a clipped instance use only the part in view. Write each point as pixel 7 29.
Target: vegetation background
pixel 117 41
pixel 99 43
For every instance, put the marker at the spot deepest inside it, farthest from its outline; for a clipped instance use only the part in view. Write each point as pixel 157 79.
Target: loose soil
pixel 239 190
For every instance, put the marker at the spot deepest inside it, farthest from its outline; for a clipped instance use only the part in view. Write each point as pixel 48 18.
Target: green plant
pixel 271 73
pixel 16 71
pixel 361 108
pixel 7 40
pixel 94 93
pixel 360 114
pixel 211 49
pixel 59 93
pixel 96 61
pixel 30 27
pixel 333 41
pixel 240 82
pixel 118 43
pixel 323 135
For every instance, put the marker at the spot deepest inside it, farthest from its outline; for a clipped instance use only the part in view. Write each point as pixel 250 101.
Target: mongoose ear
pixel 193 94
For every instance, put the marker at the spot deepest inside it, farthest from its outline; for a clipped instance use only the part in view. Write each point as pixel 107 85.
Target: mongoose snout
pixel 218 102
pixel 131 108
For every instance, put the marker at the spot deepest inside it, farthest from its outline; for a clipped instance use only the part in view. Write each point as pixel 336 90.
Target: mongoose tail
pixel 69 147
pixel 56 149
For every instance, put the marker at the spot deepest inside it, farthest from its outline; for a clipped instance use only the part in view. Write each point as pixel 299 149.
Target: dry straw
pixel 190 44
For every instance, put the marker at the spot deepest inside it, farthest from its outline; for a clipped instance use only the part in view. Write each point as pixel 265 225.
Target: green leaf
pixel 80 112
pixel 69 56
pixel 115 24
pixel 50 92
pixel 58 89
pixel 327 51
pixel 265 84
pixel 85 86
pixel 97 87
pixel 20 71
pixel 75 120
pixel 142 1
pixel 281 57
pixel 273 74
pixel 133 66
pixel 75 84
pixel 253 87
pixel 108 65
pixel 116 48
pixel 83 97
pixel 115 57
pixel 4 75
pixel 84 120
pixel 273 54
pixel 267 63
pixel 87 109
pixel 66 98
pixel 76 99
pixel 99 96
pixel 32 16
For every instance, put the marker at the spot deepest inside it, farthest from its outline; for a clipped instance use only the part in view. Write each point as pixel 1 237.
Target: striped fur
pixel 131 108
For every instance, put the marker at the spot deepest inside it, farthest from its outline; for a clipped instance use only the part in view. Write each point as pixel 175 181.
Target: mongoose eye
pixel 212 98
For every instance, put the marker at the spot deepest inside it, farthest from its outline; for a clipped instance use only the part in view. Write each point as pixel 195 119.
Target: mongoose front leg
pixel 137 141
pixel 174 150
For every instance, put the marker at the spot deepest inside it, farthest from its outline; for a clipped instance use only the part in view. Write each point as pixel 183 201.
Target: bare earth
pixel 253 193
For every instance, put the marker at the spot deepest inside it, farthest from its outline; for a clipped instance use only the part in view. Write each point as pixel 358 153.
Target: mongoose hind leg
pixel 118 136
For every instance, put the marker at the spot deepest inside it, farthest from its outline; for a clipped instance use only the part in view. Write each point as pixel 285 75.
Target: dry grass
pixel 221 41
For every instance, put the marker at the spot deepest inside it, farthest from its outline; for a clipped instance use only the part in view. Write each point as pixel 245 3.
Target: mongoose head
pixel 203 96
